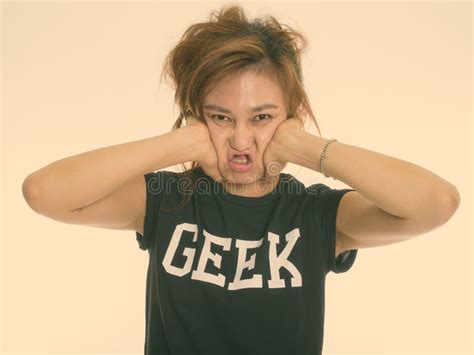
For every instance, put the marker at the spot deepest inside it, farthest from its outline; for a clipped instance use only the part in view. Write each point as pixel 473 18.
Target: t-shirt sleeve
pixel 325 211
pixel 153 184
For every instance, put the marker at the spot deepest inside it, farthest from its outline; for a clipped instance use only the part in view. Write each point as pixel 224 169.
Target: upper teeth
pixel 240 159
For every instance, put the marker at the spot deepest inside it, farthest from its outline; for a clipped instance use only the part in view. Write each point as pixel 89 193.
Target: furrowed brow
pixel 253 109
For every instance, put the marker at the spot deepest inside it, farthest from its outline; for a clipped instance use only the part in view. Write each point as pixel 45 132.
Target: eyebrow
pixel 253 109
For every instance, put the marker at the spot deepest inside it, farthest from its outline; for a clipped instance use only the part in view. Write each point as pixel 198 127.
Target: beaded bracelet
pixel 324 156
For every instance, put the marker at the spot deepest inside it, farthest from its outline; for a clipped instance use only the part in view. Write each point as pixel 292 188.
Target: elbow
pixel 30 191
pixel 452 200
pixel 448 204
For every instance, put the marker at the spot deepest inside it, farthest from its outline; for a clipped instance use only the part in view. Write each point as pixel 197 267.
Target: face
pixel 240 123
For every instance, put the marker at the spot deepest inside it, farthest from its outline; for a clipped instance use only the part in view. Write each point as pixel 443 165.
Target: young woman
pixel 238 250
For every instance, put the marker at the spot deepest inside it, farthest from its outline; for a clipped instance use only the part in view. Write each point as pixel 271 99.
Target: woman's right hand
pixel 206 154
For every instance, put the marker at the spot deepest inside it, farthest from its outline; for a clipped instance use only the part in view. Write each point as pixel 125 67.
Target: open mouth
pixel 240 162
pixel 241 158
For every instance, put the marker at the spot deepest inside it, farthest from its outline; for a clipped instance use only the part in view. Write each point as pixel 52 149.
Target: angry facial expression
pixel 242 112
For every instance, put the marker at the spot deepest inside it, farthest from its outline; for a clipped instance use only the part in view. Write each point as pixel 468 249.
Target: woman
pixel 239 251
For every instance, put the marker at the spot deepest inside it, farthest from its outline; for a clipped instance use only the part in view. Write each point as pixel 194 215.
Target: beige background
pixel 390 77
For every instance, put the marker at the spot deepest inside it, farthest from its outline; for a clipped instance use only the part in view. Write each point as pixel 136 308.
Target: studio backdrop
pixel 392 77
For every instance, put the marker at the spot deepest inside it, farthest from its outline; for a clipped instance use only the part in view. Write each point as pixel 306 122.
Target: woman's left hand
pixel 274 158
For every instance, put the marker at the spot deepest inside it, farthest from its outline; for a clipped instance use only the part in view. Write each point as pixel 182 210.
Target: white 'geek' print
pixel 276 262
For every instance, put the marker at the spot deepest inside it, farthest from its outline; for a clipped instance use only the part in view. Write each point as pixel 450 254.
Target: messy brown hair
pixel 228 44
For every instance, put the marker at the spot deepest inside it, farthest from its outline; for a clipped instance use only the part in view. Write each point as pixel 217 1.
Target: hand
pixel 206 153
pixel 274 159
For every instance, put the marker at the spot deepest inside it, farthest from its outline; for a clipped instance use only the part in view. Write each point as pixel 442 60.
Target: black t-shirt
pixel 230 274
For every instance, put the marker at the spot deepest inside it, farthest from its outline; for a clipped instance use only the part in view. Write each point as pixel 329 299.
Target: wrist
pixel 189 142
pixel 305 149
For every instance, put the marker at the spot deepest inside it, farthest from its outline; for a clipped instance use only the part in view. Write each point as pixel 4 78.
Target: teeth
pixel 240 159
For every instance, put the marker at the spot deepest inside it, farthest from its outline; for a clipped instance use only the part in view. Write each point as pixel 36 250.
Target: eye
pixel 222 118
pixel 264 114
pixel 212 116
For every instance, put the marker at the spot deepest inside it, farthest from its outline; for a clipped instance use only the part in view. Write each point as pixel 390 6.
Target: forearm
pixel 400 188
pixel 82 179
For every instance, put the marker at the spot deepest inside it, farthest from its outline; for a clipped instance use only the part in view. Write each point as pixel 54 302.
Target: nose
pixel 242 138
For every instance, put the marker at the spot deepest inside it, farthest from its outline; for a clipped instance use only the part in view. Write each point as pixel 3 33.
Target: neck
pixel 255 189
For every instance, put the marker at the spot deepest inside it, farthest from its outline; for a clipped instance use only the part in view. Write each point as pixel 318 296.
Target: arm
pixel 394 199
pixel 106 187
